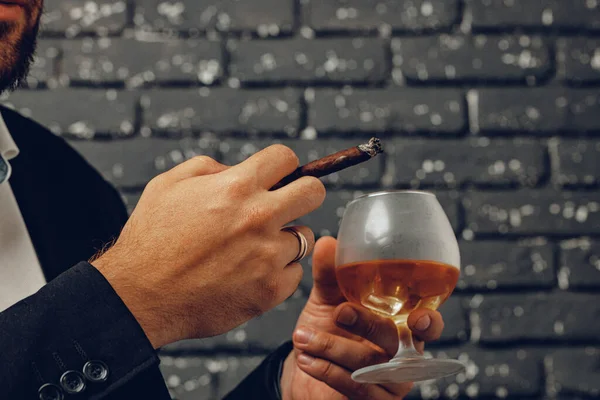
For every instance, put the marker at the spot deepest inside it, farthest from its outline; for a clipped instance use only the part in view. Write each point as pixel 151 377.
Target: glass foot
pixel 409 370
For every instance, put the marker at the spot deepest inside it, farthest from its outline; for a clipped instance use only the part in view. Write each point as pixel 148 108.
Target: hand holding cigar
pixel 335 162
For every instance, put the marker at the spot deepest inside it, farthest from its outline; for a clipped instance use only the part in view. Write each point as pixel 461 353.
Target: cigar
pixel 335 162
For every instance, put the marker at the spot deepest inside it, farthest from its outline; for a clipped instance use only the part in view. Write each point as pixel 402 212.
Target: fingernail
pixel 423 323
pixel 303 335
pixel 305 359
pixel 347 316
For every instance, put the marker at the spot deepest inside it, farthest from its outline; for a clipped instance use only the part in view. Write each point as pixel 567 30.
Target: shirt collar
pixel 8 148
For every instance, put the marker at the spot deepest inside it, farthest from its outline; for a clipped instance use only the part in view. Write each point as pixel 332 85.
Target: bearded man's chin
pixel 15 58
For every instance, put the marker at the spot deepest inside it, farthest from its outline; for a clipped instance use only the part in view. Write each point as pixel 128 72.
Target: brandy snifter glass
pixel 397 252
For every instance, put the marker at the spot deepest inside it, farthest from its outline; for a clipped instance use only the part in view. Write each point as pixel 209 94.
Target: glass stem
pixel 406 347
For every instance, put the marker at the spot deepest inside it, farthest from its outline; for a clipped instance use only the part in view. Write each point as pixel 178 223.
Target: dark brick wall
pixel 493 104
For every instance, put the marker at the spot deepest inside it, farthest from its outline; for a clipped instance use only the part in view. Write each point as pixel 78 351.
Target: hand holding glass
pixel 396 252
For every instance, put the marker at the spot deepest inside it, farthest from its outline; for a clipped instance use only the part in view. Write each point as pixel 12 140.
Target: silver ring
pixel 301 241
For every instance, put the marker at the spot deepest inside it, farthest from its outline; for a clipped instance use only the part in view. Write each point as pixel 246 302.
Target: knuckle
pixel 206 162
pixel 258 217
pixel 285 153
pixel 239 191
pixel 312 192
pixel 317 189
pixel 203 160
pixel 326 344
pixel 157 182
pixel 327 370
pixel 237 185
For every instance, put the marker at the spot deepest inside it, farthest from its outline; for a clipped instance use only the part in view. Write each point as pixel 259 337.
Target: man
pixel 203 252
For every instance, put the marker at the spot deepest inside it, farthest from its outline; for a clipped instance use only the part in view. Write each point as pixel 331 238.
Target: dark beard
pixel 19 58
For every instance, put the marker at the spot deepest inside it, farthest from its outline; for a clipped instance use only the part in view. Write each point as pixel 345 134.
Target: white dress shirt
pixel 20 271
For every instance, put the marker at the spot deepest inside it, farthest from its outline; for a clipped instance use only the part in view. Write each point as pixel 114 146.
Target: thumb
pixel 325 286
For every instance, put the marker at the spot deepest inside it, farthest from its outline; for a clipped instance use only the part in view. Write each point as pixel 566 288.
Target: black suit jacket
pixel 71 212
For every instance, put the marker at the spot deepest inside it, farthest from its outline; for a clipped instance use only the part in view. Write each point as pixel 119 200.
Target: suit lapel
pixel 29 185
pixel 71 212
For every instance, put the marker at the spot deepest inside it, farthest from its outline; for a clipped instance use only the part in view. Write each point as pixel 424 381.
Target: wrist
pixel 137 300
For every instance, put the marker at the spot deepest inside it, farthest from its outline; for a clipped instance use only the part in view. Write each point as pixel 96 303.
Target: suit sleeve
pixel 75 336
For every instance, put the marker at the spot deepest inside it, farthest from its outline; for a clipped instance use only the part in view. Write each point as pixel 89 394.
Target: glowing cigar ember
pixel 335 162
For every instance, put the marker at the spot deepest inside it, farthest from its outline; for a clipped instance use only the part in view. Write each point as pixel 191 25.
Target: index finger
pixel 269 166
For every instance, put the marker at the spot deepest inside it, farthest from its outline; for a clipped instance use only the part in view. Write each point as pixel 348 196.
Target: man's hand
pixel 203 251
pixel 333 338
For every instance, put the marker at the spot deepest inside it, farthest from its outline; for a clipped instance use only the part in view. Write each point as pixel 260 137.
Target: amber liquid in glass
pixel 394 288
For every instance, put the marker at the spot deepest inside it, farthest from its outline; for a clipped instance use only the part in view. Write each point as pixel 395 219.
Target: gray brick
pixel 222 110
pixel 275 327
pixel 386 110
pixel 471 161
pixel 44 69
pixel 266 17
pixel 470 58
pixel 501 265
pixel 266 332
pixel 400 15
pixel 517 110
pixel 583 110
pixel 555 316
pixel 534 110
pixel 489 374
pixel 455 323
pixel 301 60
pixel 575 371
pixel 580 264
pixel 534 213
pixel 535 14
pixel 82 113
pixel 576 162
pixel 132 163
pixel 138 62
pixel 188 378
pixel 233 370
pixel 579 59
pixel 365 174
pixel 73 17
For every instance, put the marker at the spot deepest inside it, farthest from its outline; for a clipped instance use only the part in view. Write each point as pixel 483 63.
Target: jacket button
pixel 72 382
pixel 95 371
pixel 49 391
